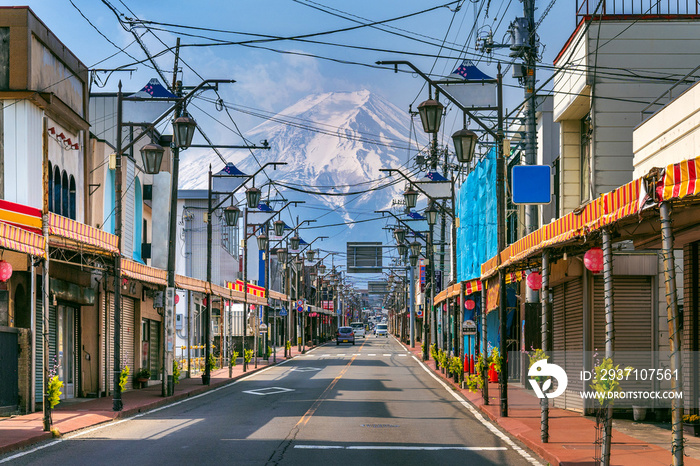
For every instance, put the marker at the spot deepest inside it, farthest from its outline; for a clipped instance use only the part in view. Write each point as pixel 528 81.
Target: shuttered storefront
pixel 567 336
pixel 633 329
pixel 39 353
pixel 127 349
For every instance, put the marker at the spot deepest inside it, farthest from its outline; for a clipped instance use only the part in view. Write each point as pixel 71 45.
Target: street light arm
pixel 417 234
pixel 449 97
pixel 390 170
pixel 179 101
pixel 293 230
pixel 248 178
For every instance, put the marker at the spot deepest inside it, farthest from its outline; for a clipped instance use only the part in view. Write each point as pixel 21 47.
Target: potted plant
pixel 142 376
pixel 494 365
pixel 691 424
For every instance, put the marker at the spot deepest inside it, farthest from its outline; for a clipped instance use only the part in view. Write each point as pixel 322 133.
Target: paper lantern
pixel 534 281
pixel 469 304
pixel 177 298
pixel 204 302
pixel 5 271
pixel 593 260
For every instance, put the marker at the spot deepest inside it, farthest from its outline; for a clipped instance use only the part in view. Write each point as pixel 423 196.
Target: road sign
pixel 532 184
pixel 263 328
pixel 300 309
pixel 300 303
pixel 283 312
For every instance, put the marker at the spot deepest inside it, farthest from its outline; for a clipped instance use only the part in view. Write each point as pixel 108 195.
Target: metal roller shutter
pixel 567 325
pixel 632 311
pixel 127 350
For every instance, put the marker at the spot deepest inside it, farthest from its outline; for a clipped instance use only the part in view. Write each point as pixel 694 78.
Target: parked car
pixel 381 330
pixel 359 329
pixel 345 335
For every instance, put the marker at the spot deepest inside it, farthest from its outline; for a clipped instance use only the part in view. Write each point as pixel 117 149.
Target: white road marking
pixel 387 354
pixel 305 369
pixel 479 416
pixel 325 355
pixel 402 355
pixel 136 416
pixel 341 354
pixel 371 354
pixel 268 391
pixel 395 447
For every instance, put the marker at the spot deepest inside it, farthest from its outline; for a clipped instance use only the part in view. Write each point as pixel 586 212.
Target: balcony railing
pixel 665 8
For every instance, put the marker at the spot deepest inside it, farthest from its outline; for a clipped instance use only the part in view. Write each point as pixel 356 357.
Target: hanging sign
pixel 468 327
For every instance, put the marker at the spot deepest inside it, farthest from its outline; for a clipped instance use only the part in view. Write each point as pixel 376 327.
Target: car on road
pixel 359 329
pixel 345 335
pixel 381 330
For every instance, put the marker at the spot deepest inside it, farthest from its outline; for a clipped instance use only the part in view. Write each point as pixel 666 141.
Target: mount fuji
pixel 333 143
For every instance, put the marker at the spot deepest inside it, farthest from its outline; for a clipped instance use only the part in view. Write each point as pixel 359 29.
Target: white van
pixel 358 328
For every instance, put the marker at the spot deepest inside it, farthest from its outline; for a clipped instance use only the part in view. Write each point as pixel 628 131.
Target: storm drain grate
pixel 378 426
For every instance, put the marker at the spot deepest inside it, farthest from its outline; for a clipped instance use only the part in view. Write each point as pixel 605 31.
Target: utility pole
pixel 529 56
pixel 168 384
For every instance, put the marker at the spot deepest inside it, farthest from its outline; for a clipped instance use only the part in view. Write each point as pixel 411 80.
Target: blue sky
pixel 272 80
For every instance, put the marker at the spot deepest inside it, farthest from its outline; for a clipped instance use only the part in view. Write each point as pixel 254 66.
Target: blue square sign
pixel 532 184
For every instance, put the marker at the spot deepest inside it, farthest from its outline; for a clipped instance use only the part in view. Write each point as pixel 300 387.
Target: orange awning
pixel 82 234
pixel 17 239
pixel 143 272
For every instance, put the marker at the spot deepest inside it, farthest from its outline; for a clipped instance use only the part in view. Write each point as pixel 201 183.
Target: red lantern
pixel 593 260
pixel 469 304
pixel 534 281
pixel 204 302
pixel 5 271
pixel 177 298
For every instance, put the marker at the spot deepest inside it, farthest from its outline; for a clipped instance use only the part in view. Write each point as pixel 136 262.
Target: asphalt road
pixel 372 403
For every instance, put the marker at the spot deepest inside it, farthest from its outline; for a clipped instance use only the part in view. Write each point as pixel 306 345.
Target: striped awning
pixel 17 239
pixel 83 234
pixel 143 273
pixel 608 208
pixel 192 284
pixel 277 295
pixel 681 180
pixel 472 286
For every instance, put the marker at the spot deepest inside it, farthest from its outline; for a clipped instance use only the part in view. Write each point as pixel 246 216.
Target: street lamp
pixel 183 131
pixel 252 196
pixel 262 241
pixel 402 248
pixel 415 248
pixel 413 258
pixel 399 235
pixel 430 115
pixel 431 212
pixel 310 254
pixel 411 197
pixel 294 242
pixel 152 155
pixel 279 227
pixel 231 215
pixel 282 255
pixel 465 143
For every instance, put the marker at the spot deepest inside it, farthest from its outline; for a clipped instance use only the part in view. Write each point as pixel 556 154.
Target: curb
pixel 127 413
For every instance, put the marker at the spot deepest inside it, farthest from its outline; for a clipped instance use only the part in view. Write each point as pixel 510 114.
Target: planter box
pixel 692 429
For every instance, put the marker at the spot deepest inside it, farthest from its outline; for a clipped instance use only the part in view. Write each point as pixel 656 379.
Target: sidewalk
pixel 20 431
pixel 571 435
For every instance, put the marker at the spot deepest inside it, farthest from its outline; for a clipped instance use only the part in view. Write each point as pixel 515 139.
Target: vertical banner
pixel 169 325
